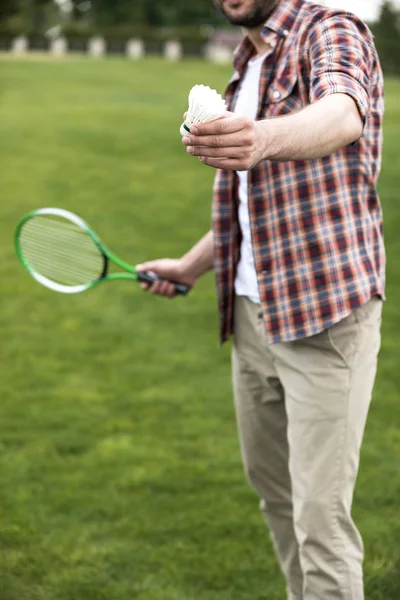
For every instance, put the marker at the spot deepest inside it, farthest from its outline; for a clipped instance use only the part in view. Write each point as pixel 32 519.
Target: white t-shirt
pixel 247 104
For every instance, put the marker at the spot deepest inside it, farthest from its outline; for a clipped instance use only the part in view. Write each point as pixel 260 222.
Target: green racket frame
pixel 131 272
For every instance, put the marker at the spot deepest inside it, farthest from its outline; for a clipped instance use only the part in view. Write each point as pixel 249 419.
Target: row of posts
pixel 134 49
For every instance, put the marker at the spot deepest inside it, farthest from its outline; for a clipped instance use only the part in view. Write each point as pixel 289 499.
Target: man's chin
pixel 249 15
pixel 237 18
pixel 243 22
pixel 243 18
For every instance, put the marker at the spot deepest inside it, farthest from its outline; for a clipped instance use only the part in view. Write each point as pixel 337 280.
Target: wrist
pixel 199 259
pixel 193 267
pixel 187 268
pixel 268 138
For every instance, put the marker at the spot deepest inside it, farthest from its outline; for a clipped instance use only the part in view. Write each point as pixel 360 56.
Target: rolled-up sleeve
pixel 340 52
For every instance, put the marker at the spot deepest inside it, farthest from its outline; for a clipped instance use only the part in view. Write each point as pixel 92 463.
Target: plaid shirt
pixel 316 225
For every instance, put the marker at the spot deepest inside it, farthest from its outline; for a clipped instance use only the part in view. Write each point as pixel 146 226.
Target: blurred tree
pixel 113 13
pixel 29 13
pixel 110 13
pixel 9 8
pixel 156 13
pixel 388 25
pixel 200 12
pixel 387 37
pixel 37 13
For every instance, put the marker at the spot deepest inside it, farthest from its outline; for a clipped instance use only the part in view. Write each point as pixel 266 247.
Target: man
pixel 297 249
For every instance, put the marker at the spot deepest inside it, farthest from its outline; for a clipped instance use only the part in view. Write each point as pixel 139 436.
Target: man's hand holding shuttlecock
pixel 231 142
pixel 219 138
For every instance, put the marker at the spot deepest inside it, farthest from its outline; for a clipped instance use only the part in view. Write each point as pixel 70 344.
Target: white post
pixel 97 47
pixel 20 45
pixel 218 54
pixel 59 46
pixel 173 50
pixel 134 49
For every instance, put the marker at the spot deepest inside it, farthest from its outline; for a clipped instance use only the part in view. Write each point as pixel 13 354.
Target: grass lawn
pixel 120 472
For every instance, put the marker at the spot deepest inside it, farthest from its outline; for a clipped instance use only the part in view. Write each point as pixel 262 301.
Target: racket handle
pixel 150 277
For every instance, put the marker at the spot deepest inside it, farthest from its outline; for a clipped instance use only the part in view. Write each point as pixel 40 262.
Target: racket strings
pixel 61 251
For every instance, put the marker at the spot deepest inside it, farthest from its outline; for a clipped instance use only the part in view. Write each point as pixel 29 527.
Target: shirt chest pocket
pixel 283 95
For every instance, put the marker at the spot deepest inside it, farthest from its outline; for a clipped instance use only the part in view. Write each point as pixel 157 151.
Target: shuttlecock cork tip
pixel 184 129
pixel 205 104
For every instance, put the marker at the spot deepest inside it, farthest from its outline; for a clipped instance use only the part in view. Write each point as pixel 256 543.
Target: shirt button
pixel 276 95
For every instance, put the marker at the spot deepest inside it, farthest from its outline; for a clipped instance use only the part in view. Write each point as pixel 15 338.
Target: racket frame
pixel 131 273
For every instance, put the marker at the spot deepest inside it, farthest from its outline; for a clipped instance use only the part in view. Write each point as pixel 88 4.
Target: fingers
pixel 230 164
pixel 228 143
pixel 230 124
pixel 160 287
pixel 217 141
pixel 163 288
pixel 235 152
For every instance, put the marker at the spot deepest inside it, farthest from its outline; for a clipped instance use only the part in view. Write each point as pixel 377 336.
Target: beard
pixel 256 13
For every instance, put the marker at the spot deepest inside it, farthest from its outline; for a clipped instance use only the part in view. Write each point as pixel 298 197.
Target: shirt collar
pixel 278 25
pixel 283 17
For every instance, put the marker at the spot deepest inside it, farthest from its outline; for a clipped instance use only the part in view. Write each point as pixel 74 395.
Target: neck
pixel 254 34
pixel 259 44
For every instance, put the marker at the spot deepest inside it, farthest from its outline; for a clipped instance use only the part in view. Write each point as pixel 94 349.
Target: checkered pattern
pixel 316 225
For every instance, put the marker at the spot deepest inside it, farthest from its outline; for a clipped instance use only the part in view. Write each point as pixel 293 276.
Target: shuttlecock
pixel 205 105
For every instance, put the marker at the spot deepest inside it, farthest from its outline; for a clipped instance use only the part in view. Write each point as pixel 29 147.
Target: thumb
pixel 156 267
pixel 147 266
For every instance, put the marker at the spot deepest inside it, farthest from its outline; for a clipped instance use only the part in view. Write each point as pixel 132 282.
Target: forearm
pixel 316 131
pixel 200 258
pixel 239 143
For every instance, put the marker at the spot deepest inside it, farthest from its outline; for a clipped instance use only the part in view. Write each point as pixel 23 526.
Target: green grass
pixel 120 473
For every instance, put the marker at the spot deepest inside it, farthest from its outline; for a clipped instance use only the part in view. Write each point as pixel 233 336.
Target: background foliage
pixel 119 20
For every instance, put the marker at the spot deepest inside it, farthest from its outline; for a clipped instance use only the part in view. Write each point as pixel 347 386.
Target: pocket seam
pixel 347 361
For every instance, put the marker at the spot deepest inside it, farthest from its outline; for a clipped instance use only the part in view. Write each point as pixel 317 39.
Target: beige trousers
pixel 301 410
